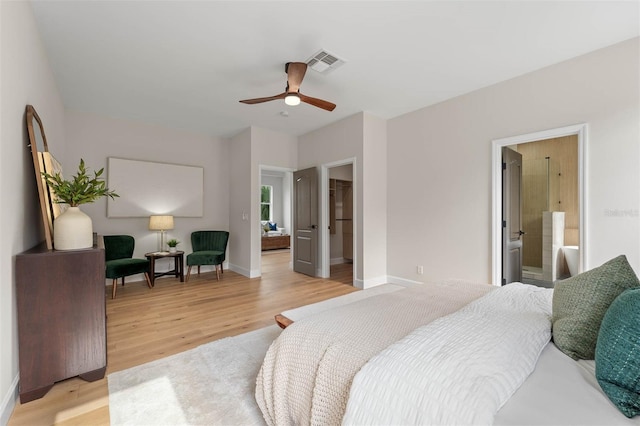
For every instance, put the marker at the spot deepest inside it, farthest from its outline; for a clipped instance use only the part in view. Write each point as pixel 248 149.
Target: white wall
pixel 239 209
pixel 95 138
pixel 25 78
pixel 374 207
pixel 439 169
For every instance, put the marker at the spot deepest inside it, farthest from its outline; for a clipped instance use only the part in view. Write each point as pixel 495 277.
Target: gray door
pixel 305 221
pixel 511 216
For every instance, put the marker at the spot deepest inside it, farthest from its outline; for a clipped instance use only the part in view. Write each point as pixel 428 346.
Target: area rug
pixel 211 384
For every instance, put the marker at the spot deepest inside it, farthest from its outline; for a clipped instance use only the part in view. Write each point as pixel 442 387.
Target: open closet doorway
pixel 340 227
pixel 551 207
pixel 275 219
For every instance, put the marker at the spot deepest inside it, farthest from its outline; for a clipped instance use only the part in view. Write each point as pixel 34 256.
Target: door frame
pixel 581 130
pixel 325 246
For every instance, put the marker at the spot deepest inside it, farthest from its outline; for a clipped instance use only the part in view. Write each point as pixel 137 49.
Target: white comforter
pixel 459 369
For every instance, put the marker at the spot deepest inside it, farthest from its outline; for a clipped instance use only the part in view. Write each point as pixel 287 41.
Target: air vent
pixel 324 62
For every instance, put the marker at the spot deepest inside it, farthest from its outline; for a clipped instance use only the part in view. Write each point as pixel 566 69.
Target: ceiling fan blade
pixel 317 102
pixel 267 99
pixel 295 73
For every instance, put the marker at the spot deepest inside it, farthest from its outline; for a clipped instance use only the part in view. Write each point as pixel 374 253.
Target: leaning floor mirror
pixel 43 161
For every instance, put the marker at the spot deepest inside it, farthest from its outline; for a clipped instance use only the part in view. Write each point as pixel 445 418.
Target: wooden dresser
pixel 61 317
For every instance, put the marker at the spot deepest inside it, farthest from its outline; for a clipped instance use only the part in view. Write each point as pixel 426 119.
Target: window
pixel 266 203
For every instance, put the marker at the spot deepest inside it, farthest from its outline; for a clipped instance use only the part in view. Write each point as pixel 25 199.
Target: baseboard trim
pixel 9 401
pixel 357 283
pixel 253 273
pixel 402 281
pixel 384 279
pixel 373 282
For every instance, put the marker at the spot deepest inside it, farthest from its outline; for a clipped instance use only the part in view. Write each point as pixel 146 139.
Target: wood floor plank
pixel 147 324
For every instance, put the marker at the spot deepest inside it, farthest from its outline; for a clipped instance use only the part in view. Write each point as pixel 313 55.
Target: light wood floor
pixel 147 324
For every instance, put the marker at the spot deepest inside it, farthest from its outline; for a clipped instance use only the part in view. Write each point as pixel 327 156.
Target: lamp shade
pixel 160 223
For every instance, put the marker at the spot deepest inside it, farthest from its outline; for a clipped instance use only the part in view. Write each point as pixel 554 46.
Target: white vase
pixel 172 249
pixel 72 230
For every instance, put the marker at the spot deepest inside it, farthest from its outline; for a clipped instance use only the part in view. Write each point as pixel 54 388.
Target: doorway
pixel 275 219
pixel 335 170
pixel 550 216
pixel 341 223
pixel 545 183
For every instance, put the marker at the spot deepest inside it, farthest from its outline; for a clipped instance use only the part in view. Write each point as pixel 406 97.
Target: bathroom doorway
pixel 556 184
pixel 550 210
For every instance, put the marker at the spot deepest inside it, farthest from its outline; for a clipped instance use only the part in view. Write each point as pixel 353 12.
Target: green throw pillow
pixel 618 353
pixel 580 302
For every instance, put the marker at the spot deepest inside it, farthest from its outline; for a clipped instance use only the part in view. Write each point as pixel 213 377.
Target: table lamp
pixel 161 224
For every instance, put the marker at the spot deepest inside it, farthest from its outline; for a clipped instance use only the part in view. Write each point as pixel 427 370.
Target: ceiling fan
pixel 292 96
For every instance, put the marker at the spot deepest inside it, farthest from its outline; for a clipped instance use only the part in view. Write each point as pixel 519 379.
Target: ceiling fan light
pixel 292 99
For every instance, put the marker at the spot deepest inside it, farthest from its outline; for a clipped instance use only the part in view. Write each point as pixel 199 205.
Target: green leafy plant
pixel 81 189
pixel 173 242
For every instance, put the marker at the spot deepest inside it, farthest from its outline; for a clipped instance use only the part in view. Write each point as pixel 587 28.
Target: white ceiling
pixel 186 64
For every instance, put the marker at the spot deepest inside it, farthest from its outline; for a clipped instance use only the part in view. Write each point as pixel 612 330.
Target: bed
pixel 447 353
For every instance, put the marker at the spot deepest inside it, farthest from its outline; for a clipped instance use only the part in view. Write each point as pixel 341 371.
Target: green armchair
pixel 209 248
pixel 118 253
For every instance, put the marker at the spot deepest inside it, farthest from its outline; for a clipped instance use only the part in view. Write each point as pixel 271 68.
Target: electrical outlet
pixel 420 269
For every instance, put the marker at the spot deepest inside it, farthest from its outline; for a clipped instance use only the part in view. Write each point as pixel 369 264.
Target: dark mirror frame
pixel 46 207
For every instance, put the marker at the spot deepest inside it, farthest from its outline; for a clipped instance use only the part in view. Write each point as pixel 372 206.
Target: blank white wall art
pixel 147 188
